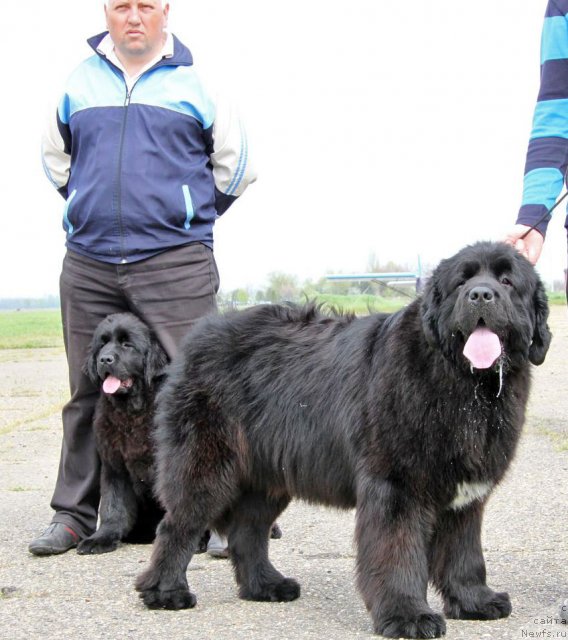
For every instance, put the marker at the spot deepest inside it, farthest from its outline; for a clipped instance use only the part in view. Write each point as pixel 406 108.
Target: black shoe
pixel 57 538
pixel 218 547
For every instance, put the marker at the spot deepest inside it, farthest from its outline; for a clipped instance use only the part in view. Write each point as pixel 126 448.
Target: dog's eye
pixel 126 344
pixel 506 282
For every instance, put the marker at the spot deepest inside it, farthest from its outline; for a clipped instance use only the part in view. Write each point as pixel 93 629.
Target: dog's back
pixel 263 370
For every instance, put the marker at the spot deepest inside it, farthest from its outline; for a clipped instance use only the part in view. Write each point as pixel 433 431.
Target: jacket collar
pixel 182 55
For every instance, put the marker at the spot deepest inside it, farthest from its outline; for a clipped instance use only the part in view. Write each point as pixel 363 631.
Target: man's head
pixel 137 28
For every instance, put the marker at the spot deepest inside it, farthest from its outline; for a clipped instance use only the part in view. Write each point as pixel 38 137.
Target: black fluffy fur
pixel 123 346
pixel 382 414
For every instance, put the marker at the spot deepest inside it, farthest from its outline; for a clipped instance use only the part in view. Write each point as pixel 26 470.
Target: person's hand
pixel 530 246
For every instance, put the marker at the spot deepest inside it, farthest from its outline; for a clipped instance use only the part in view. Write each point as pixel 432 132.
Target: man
pixel 547 156
pixel 146 162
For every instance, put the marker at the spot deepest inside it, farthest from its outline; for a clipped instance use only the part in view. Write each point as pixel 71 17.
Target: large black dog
pixel 412 418
pixel 128 362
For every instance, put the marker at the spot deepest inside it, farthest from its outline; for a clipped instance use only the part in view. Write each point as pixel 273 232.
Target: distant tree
pixel 240 296
pixel 282 286
pixel 374 265
pixel 259 296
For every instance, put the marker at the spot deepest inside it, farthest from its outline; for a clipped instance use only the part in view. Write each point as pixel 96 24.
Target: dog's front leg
pixel 392 533
pixel 457 567
pixel 117 512
pixel 164 584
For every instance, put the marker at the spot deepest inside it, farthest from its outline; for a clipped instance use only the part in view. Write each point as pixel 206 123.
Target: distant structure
pixel 388 279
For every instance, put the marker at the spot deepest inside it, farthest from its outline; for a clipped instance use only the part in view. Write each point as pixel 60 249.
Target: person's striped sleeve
pixel 547 155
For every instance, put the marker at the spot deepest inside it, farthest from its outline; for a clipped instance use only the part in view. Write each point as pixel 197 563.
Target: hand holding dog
pixel 530 247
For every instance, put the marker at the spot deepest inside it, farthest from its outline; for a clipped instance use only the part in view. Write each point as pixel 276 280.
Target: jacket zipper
pixel 119 176
pixel 127 98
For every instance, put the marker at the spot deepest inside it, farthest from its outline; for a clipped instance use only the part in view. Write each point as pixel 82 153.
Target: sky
pixel 379 128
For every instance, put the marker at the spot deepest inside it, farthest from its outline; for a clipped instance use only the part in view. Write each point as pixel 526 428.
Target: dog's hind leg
pixel 253 517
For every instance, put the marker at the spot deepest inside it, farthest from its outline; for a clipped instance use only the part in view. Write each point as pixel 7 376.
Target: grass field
pixel 32 329
pixel 362 304
pixel 556 297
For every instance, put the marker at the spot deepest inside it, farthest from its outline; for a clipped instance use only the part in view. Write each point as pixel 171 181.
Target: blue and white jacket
pixel 547 156
pixel 143 170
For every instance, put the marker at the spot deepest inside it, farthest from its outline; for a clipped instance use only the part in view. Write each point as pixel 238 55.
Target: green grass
pixel 30 329
pixel 556 297
pixel 40 328
pixel 362 304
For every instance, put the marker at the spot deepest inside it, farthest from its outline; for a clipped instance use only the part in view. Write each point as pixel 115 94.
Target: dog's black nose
pixel 106 359
pixel 481 295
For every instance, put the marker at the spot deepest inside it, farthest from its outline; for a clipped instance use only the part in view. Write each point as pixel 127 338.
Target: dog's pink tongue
pixel 482 348
pixel 111 384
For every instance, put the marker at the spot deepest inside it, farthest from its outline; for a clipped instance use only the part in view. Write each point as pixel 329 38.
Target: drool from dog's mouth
pixel 482 348
pixel 112 384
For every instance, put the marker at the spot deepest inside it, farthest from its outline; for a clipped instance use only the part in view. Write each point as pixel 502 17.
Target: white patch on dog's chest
pixel 468 492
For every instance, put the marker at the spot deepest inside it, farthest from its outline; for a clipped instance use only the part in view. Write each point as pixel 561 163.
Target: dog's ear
pixel 541 335
pixel 90 366
pixel 156 361
pixel 429 311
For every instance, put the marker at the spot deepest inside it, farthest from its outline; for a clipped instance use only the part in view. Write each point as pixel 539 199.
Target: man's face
pixel 137 27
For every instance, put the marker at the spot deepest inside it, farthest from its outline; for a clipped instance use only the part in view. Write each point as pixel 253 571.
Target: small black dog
pixel 127 360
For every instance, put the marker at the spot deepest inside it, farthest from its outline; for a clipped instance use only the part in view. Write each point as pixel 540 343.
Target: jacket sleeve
pixel 547 155
pixel 56 150
pixel 233 170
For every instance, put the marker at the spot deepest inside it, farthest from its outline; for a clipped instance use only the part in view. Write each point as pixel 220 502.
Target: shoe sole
pixel 48 551
pixel 218 553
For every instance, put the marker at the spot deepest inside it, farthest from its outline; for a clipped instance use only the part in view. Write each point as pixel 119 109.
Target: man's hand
pixel 530 246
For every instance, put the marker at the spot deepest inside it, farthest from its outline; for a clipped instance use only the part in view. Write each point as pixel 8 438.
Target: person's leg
pixel 169 292
pixel 172 290
pixel 88 293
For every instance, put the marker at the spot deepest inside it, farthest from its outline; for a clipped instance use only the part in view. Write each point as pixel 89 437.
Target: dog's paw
pixel 422 625
pixel 487 605
pixel 95 545
pixel 284 590
pixel 154 597
pixel 173 599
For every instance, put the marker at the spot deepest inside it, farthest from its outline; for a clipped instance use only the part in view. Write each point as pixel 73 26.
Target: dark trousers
pixel 169 292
